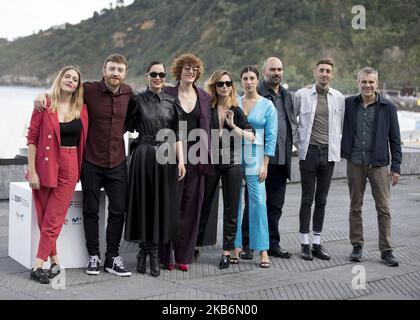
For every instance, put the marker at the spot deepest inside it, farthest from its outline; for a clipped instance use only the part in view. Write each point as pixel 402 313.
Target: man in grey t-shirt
pixel 321 112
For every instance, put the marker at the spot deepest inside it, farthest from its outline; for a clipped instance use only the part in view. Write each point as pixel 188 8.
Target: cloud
pixel 22 18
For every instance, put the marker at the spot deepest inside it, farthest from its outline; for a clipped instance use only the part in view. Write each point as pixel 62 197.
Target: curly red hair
pixel 187 59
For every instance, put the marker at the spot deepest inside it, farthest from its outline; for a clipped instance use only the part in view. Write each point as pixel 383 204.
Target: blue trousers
pixel 258 222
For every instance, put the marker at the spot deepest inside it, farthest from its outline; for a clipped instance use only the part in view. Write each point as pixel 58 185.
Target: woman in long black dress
pixel 153 211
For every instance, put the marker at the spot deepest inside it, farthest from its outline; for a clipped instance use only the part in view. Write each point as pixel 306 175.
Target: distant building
pixel 390 93
pixel 408 92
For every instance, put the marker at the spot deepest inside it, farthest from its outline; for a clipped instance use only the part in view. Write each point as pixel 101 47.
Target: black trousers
pixel 231 175
pixel 315 174
pixel 245 221
pixel 115 183
pixel 275 185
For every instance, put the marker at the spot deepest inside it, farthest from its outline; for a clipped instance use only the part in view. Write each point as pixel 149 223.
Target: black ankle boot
pixel 224 261
pixel 39 276
pixel 53 271
pixel 141 257
pixel 154 260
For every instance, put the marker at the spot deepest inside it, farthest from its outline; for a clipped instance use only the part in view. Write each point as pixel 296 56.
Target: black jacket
pixel 234 148
pixel 292 124
pixel 386 133
pixel 148 113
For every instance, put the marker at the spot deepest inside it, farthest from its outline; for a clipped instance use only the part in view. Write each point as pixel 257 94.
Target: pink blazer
pixel 44 133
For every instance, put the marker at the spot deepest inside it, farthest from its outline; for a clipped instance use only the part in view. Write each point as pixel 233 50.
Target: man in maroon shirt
pixel 104 163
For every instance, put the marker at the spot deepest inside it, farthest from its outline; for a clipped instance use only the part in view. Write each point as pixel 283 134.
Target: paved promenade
pixel 286 279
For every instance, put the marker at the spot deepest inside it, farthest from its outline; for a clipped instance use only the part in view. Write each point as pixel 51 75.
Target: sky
pixel 19 18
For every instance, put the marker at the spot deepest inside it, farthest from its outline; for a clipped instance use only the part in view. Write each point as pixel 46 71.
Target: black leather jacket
pixel 148 113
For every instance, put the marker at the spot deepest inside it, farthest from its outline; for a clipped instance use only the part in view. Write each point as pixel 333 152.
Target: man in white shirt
pixel 320 109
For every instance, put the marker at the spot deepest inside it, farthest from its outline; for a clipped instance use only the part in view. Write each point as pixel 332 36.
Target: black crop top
pixel 70 133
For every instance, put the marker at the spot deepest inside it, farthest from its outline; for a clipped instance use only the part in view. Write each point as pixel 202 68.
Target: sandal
pixel 264 264
pixel 234 260
pixel 237 252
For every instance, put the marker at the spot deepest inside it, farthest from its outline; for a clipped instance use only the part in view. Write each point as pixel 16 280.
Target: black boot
pixel 39 275
pixel 154 259
pixel 141 257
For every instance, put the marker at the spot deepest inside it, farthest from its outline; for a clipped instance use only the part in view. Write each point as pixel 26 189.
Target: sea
pixel 16 107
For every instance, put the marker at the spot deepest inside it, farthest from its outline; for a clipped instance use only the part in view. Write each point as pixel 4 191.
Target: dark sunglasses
pixel 220 84
pixel 155 74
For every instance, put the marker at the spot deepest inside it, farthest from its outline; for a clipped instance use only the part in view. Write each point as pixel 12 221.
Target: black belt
pixel 318 147
pixel 145 139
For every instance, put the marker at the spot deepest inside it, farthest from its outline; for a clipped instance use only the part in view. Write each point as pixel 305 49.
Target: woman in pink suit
pixel 56 141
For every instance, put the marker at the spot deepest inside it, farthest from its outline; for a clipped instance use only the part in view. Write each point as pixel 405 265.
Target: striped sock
pixel 317 238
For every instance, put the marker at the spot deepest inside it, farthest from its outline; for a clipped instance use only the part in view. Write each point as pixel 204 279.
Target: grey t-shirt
pixel 319 133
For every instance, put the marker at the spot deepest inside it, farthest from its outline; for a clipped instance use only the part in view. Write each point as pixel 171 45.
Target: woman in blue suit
pixel 262 115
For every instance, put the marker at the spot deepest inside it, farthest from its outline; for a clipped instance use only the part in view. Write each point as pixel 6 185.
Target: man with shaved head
pixel 279 167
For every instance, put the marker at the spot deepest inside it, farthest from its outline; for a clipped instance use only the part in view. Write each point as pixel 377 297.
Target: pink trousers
pixel 52 203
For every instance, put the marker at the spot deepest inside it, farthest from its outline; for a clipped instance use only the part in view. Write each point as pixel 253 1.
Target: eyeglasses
pixel 220 84
pixel 155 74
pixel 190 68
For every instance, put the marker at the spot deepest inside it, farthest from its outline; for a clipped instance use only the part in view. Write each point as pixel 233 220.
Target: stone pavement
pixel 292 279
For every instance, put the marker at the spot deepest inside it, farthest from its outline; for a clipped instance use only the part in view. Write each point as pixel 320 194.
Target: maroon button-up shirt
pixel 105 141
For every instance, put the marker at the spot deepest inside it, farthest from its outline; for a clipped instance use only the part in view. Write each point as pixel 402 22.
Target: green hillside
pixel 231 34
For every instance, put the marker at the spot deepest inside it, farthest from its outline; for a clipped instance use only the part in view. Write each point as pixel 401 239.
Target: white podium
pixel 24 231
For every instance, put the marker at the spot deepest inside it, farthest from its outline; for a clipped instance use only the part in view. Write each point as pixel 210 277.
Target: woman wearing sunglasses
pixel 153 214
pixel 262 115
pixel 231 125
pixel 195 109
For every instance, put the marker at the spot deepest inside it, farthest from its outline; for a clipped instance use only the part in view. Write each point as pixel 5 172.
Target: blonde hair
pixel 211 88
pixel 76 102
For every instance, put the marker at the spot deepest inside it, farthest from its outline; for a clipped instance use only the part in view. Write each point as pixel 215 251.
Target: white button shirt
pixel 304 103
